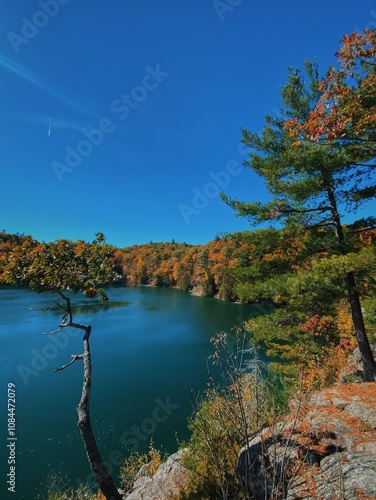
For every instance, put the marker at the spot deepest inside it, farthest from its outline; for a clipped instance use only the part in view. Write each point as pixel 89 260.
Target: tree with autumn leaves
pixel 63 268
pixel 345 112
pixel 317 161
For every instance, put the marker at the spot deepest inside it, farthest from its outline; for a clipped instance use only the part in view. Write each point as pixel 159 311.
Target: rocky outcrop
pixel 164 484
pixel 354 369
pixel 327 453
pixel 325 450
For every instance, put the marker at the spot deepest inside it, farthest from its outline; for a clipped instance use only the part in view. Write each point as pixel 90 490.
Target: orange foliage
pixel 201 268
pixel 314 325
pixel 341 104
pixel 367 238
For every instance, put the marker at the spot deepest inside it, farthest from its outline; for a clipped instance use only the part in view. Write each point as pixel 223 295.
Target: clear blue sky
pixel 168 84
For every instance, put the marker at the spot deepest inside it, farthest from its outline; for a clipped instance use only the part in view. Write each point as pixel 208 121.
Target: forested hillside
pixel 297 270
pixel 204 269
pixel 244 266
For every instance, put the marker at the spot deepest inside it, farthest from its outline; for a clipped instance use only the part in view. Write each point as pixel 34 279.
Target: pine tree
pixel 312 184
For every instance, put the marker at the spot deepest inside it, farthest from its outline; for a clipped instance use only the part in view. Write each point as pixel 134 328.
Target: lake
pixel 150 349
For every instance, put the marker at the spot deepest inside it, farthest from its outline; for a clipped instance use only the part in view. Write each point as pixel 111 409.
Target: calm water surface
pixel 149 351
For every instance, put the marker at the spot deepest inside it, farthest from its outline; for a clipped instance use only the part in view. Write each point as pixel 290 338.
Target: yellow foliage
pixel 322 369
pixel 213 450
pixel 149 462
pixel 58 489
pixel 345 325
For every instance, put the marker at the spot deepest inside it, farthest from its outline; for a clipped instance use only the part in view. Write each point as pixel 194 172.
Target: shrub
pixel 139 465
pixel 227 418
pixel 57 488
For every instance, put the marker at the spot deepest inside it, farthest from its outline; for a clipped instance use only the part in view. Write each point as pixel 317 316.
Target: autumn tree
pixel 64 268
pixel 345 111
pixel 312 185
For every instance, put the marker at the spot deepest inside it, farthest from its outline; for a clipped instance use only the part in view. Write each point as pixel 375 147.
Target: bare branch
pixel 67 301
pixel 61 326
pixel 97 466
pixel 74 357
pixel 54 331
pixel 62 307
pixel 47 309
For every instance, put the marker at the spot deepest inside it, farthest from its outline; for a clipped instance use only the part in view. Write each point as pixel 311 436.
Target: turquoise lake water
pixel 150 349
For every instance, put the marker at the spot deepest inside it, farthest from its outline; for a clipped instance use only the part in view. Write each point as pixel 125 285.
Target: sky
pixel 124 117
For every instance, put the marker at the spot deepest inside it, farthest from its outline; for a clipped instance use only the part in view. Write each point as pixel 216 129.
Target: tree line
pixel 298 270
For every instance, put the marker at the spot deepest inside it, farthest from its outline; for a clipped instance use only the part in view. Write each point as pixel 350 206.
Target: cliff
pixel 326 450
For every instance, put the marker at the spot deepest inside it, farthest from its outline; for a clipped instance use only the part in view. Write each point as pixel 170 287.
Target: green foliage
pixel 289 338
pixel 17 238
pixel 312 183
pixel 305 180
pixel 370 317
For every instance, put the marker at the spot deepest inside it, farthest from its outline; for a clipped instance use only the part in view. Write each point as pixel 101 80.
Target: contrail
pixel 72 100
pixel 49 130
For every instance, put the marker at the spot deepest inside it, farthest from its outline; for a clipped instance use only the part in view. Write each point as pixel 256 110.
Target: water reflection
pixel 87 307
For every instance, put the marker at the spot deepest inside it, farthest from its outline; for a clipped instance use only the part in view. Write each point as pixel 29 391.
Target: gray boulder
pixel 166 482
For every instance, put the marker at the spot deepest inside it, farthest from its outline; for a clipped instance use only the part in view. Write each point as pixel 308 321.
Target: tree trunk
pixel 98 468
pixel 101 475
pixel 368 362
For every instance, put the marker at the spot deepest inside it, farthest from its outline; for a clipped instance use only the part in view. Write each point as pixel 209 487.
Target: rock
pixel 251 470
pixel 363 412
pixel 340 403
pixel 328 453
pixel 261 466
pixel 166 482
pixel 354 369
pixel 348 476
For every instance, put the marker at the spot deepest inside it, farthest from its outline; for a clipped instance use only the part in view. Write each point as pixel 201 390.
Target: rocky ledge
pixel 326 450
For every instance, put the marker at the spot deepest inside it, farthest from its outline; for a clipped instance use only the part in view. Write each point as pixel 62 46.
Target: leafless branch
pixel 54 331
pixel 74 357
pixel 61 326
pixel 47 309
